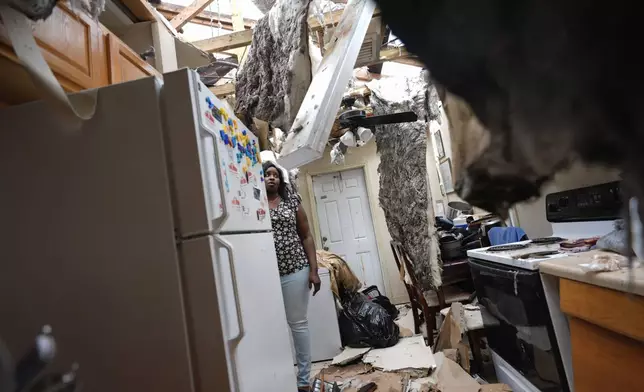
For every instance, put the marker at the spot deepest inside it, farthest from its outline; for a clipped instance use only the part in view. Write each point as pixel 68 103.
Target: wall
pixel 368 157
pixel 531 216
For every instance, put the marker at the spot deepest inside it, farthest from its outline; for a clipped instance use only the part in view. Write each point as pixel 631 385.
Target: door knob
pixel 324 239
pixel 326 248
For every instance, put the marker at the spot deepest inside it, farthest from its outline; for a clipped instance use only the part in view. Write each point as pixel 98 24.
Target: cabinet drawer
pixel 611 309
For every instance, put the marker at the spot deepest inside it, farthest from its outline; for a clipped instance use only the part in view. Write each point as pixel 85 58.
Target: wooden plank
pixel 331 19
pixel 141 9
pixel 189 12
pixel 398 55
pixel 223 89
pixel 603 360
pixel 205 18
pixel 611 309
pixel 225 42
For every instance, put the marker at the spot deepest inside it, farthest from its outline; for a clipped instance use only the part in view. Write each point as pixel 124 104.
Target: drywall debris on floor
pixel 404 190
pixel 405 322
pixel 409 354
pixel 273 81
pixel 349 355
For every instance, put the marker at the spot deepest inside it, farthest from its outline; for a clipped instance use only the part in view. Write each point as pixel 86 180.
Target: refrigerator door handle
pixel 219 222
pixel 231 263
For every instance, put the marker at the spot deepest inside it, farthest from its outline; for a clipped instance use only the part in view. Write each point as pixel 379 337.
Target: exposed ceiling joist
pixel 225 42
pixel 205 18
pixel 189 12
pixel 223 89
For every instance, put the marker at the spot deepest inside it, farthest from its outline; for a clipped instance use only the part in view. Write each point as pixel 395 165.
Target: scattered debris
pixel 341 374
pixel 495 388
pixel 349 355
pixel 410 355
pixel 386 382
pixel 451 377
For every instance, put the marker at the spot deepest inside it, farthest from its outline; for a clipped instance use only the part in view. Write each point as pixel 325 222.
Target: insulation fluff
pixel 273 82
pixel 404 190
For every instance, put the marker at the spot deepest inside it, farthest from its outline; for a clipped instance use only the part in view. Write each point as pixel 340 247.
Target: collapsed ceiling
pixel 274 80
pixel 404 190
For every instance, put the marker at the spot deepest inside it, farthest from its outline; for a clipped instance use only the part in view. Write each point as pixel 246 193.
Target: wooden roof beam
pixel 225 42
pixel 205 18
pixel 189 12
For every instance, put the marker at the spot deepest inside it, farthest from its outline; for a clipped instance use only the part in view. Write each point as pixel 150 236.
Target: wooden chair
pixel 425 305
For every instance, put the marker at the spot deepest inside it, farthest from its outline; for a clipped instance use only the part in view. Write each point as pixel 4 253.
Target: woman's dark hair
pixel 281 189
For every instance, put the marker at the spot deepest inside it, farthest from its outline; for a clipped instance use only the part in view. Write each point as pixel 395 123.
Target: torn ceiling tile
pixel 277 73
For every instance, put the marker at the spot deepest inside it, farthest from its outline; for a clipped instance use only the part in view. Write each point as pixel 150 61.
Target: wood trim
pixel 611 309
pixel 204 18
pixel 222 43
pixel 189 12
pixel 604 360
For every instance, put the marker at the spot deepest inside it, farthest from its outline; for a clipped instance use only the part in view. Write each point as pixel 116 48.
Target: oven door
pixel 517 322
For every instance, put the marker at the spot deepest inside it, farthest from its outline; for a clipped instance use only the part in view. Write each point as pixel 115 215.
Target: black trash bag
pixel 365 323
pixel 389 307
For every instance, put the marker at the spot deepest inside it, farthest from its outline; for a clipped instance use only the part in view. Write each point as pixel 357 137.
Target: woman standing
pixel 297 264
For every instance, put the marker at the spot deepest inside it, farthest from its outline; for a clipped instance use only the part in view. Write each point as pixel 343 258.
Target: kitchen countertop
pixel 568 267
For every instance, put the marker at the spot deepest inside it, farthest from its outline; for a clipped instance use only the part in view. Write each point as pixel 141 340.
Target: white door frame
pixel 372 208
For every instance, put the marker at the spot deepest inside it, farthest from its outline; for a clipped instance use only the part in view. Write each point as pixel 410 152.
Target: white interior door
pixel 345 223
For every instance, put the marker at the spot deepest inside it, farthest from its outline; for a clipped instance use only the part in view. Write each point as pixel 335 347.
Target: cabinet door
pixel 125 64
pixel 71 45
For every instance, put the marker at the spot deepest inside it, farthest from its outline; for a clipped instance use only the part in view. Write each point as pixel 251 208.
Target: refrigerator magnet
pixel 236 203
pixel 261 214
pixel 257 193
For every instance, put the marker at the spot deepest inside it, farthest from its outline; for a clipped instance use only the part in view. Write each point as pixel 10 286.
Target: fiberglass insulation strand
pixel 404 191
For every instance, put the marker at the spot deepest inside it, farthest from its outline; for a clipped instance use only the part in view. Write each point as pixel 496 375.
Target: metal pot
pixel 456 207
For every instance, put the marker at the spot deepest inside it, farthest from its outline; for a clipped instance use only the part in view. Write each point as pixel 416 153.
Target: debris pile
pixel 410 365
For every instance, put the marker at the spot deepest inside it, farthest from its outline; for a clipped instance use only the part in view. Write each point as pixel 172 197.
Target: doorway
pixel 346 226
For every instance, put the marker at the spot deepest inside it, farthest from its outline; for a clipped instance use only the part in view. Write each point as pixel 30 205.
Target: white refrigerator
pixel 144 240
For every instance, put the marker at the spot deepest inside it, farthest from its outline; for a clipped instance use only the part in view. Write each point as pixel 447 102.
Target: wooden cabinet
pixel 81 53
pixel 606 335
pixel 124 63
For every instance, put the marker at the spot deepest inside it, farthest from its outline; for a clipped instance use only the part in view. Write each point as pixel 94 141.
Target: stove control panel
pixel 593 203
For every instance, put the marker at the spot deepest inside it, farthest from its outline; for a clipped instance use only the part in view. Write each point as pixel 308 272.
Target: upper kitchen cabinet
pixel 73 46
pixel 80 51
pixel 124 63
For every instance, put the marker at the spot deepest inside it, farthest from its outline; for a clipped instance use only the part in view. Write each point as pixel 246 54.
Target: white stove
pixel 524 304
pixel 527 257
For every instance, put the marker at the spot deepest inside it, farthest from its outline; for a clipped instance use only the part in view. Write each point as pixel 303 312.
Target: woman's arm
pixel 304 232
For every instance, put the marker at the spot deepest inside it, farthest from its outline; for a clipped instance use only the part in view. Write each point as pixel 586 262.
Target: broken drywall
pixel 404 190
pixel 277 73
pixel 409 354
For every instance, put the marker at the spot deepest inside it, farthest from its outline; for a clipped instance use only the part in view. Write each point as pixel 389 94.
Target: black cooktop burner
pixel 501 248
pixel 547 240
